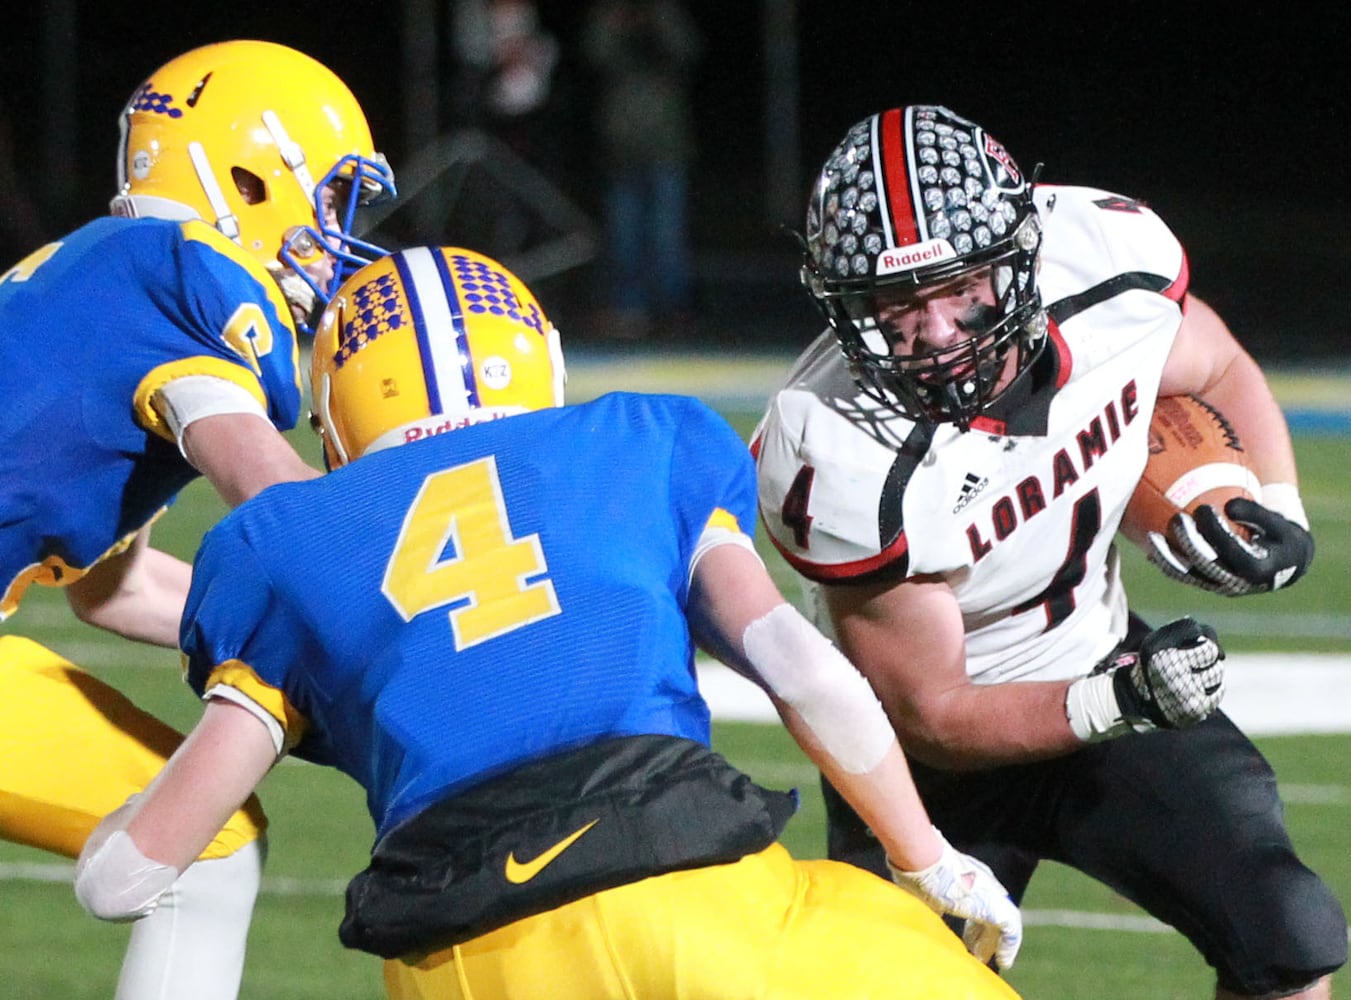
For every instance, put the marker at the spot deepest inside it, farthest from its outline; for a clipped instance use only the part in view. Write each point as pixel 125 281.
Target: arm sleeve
pixel 239 632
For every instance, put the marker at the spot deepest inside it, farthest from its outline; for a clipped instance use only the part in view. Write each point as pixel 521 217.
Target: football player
pixel 138 352
pixel 487 615
pixel 947 465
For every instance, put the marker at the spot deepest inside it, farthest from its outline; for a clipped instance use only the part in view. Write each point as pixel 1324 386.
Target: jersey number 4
pixel 456 550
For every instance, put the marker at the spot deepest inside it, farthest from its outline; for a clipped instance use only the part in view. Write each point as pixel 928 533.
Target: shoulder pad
pixel 829 491
pixel 1094 236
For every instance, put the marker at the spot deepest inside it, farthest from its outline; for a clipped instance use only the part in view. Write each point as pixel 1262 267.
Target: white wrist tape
pixel 803 668
pixel 115 881
pixel 1092 709
pixel 1284 499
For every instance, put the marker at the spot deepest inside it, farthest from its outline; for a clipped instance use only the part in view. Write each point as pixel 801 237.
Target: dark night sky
pixel 1233 127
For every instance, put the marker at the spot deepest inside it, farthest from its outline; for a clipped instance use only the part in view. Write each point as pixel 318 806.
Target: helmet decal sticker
pixel 496 372
pixel 943 178
pixel 487 289
pixel 150 100
pixel 376 309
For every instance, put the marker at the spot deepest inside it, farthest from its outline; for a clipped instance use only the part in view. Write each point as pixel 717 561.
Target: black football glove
pixel 1207 552
pixel 1176 679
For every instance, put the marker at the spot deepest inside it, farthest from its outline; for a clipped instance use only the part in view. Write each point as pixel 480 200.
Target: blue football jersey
pixel 90 327
pixel 449 608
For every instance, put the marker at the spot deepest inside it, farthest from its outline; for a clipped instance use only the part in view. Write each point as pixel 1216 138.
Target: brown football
pixel 1195 458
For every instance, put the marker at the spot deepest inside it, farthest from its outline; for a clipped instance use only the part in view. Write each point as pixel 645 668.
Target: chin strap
pixel 226 221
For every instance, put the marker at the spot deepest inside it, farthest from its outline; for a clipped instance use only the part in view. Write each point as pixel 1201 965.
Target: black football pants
pixel 1185 823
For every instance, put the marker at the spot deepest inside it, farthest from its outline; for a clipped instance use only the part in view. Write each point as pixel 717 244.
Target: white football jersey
pixel 1017 514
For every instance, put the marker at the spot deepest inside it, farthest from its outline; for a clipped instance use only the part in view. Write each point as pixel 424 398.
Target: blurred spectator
pixel 505 85
pixel 519 85
pixel 645 52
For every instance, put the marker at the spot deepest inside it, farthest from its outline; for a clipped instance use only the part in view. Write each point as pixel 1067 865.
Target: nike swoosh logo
pixel 518 872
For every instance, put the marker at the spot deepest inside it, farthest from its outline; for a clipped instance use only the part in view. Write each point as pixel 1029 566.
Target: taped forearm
pixel 801 667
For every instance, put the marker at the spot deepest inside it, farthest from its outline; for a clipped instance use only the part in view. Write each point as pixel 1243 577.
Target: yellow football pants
pixel 72 749
pixel 764 927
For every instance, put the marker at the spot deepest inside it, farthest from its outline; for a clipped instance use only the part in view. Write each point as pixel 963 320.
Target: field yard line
pixel 1267 693
pixel 322 887
pixel 335 888
pixel 1139 923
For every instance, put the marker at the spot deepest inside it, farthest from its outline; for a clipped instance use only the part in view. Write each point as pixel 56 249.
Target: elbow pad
pixel 115 881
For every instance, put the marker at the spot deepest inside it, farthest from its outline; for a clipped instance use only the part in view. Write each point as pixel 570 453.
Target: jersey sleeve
pixel 823 488
pixel 238 631
pixel 242 329
pixel 1100 237
pixel 708 452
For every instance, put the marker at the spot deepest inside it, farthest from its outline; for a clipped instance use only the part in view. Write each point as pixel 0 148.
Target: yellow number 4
pixel 499 576
pixel 23 270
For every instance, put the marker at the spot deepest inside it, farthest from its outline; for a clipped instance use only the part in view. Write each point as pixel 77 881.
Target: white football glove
pixel 1206 551
pixel 960 886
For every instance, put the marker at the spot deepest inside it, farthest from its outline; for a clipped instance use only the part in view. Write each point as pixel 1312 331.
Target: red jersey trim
pixel 1178 289
pixel 848 570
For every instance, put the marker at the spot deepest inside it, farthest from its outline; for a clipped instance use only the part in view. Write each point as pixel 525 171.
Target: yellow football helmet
pixel 245 135
pixel 427 340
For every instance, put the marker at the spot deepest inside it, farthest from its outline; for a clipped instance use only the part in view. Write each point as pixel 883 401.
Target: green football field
pixel 1082 941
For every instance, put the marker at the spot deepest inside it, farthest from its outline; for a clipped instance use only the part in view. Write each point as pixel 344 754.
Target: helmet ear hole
pixel 251 187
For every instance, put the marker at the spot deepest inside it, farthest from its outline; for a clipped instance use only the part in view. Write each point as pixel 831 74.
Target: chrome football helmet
pixel 246 135
pixel 911 199
pixel 424 341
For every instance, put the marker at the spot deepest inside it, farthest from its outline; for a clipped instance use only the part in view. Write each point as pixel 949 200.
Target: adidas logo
pixel 971 487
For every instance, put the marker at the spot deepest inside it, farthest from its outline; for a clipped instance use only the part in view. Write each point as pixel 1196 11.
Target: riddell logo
pixel 417 433
pixel 909 258
pixel 432 427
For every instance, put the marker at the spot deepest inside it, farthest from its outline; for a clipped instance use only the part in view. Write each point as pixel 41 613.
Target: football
pixel 1195 458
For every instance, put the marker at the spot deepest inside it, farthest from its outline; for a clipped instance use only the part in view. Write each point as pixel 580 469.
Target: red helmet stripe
pixel 900 213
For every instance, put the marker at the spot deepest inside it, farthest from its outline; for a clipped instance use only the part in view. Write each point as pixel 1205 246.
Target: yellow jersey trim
pixel 147 392
pixel 240 676
pixel 56 572
pixel 723 519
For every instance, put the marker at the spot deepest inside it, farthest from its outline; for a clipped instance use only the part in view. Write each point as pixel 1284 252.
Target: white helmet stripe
pixel 916 206
pixel 435 306
pixel 883 195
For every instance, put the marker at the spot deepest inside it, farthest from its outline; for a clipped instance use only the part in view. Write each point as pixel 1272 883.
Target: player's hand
pixel 960 886
pixel 1207 552
pixel 1176 680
